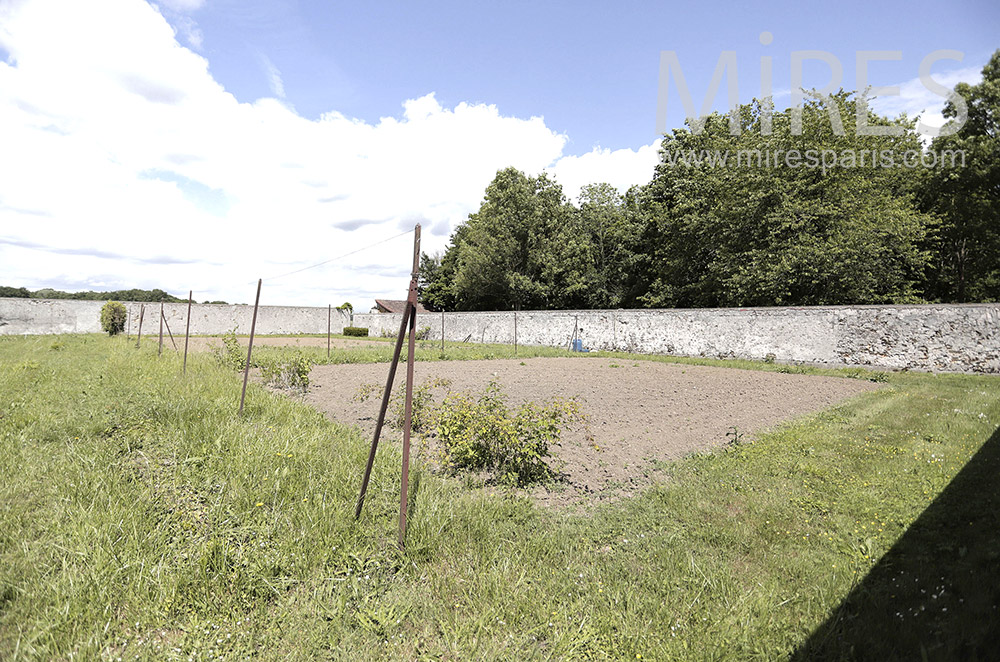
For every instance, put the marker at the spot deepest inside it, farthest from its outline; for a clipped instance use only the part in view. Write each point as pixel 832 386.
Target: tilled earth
pixel 637 412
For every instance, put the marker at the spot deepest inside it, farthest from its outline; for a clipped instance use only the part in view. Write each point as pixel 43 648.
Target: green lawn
pixel 141 518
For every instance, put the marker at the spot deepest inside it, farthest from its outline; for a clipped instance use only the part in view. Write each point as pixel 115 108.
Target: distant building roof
pixel 396 306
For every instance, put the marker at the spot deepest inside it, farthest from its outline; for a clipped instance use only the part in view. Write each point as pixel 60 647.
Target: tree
pixel 113 316
pixel 966 197
pixel 14 292
pixel 524 248
pixel 774 229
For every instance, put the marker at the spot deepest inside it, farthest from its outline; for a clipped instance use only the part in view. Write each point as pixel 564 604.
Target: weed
pixel 231 354
pixel 480 433
pixel 290 373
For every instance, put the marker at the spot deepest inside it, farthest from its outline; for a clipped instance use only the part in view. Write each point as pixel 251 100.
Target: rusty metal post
pixel 142 311
pixel 169 332
pixel 329 317
pixel 187 332
pixel 409 310
pixel 381 412
pixel 442 329
pixel 160 349
pixel 411 300
pixel 253 328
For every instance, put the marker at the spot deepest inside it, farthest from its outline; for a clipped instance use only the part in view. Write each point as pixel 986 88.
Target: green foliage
pixel 119 295
pixel 524 248
pixel 967 197
pixel 291 373
pixel 773 234
pixel 361 331
pixel 422 409
pixel 346 306
pixel 483 434
pixel 763 231
pixel 14 292
pixel 231 354
pixel 113 316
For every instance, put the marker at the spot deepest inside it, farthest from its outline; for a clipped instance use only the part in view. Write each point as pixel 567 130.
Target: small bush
pixel 483 434
pixel 356 331
pixel 423 410
pixel 423 333
pixel 292 373
pixel 231 353
pixel 113 317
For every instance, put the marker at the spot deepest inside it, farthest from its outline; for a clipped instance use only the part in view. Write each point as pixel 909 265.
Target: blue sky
pixel 202 144
pixel 590 69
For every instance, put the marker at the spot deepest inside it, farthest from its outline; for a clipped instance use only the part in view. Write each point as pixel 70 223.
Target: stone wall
pixel 36 316
pixel 953 338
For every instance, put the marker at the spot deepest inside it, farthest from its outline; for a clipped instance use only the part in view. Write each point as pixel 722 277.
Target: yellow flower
pixel 260 503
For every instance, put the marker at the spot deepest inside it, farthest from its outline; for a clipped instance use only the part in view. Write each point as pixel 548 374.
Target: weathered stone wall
pixel 36 316
pixel 954 338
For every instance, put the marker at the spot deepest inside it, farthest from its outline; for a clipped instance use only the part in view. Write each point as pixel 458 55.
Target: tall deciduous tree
pixel 967 196
pixel 758 219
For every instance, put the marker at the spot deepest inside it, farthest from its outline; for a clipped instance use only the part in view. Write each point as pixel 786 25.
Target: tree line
pixel 800 214
pixel 154 295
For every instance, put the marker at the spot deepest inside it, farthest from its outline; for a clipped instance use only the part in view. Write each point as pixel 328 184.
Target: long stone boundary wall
pixel 36 316
pixel 949 338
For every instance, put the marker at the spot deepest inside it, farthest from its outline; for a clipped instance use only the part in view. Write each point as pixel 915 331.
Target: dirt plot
pixel 638 412
pixel 203 344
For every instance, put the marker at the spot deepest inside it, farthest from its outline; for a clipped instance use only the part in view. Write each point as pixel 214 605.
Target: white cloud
pixel 273 77
pixel 918 102
pixel 126 164
pixel 621 168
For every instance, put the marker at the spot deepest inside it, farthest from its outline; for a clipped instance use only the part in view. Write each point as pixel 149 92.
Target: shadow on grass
pixel 936 594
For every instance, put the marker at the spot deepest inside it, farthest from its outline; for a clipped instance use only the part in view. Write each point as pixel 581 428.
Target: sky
pixel 203 144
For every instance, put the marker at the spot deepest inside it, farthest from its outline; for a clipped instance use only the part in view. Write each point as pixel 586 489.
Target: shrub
pixel 231 353
pixel 484 434
pixel 356 331
pixel 290 373
pixel 113 317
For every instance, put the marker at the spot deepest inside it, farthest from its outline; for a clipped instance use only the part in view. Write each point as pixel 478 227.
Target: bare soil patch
pixel 203 344
pixel 638 412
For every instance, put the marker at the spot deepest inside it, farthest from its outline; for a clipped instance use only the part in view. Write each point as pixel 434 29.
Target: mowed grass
pixel 142 518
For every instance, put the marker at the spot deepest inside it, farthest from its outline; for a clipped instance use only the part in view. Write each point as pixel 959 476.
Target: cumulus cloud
pixel 126 164
pixel 918 102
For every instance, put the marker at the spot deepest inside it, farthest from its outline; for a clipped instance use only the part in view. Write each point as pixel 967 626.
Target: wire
pixel 339 257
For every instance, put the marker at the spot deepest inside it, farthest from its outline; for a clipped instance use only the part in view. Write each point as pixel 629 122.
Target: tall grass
pixel 141 518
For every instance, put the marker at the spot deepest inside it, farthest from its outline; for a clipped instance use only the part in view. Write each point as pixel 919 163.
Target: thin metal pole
pixel 142 312
pixel 410 309
pixel 381 412
pixel 169 332
pixel 329 317
pixel 160 349
pixel 442 329
pixel 253 328
pixel 404 482
pixel 515 332
pixel 128 324
pixel 187 332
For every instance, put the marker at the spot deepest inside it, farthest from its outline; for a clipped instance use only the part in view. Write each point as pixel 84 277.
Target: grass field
pixel 141 518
